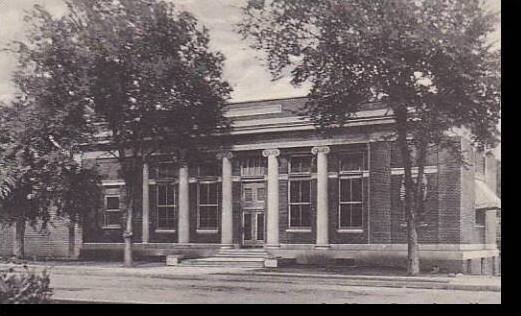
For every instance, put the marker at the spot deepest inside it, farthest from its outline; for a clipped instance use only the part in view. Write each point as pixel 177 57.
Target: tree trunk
pixel 127 235
pixel 19 243
pixel 72 240
pixel 413 258
pixel 413 255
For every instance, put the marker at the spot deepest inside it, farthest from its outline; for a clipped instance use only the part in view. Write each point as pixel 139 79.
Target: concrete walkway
pixel 160 271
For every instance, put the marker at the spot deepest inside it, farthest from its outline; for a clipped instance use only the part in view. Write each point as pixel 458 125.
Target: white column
pixel 227 201
pixel 272 239
pixel 322 197
pixel 183 225
pixel 146 205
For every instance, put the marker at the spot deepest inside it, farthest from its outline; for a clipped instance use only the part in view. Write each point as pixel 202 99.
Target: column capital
pixel 321 149
pixel 271 152
pixel 224 154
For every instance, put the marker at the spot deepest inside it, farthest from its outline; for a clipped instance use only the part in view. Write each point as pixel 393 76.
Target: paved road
pixel 246 289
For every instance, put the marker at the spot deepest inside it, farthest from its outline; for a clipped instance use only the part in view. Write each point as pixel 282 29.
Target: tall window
pixel 112 214
pixel 300 204
pixel 350 203
pixel 300 192
pixel 166 206
pixel 208 206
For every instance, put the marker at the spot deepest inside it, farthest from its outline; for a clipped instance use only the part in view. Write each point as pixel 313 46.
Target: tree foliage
pixel 40 130
pixel 139 74
pixel 429 62
pixel 25 287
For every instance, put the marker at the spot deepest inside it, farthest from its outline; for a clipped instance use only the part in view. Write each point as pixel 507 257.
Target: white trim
pixel 298 230
pixel 165 231
pixel 107 183
pixel 401 171
pixel 111 227
pixel 349 231
pixel 364 139
pixel 258 110
pixel 207 231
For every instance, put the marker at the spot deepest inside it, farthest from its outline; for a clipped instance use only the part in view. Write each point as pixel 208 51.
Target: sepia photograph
pixel 250 152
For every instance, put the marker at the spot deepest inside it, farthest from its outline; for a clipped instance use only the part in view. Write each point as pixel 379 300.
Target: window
pixel 166 206
pixel 300 165
pixel 480 218
pixel 253 167
pixel 208 206
pixel 350 203
pixel 248 194
pixel 300 204
pixel 261 194
pixel 112 214
pixel 351 162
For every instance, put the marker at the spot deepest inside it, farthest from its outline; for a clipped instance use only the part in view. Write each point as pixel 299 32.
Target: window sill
pixel 479 226
pixel 418 225
pixel 111 227
pixel 207 231
pixel 165 231
pixel 350 231
pixel 298 230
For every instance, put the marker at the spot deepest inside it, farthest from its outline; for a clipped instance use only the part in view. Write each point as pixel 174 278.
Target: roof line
pixel 267 100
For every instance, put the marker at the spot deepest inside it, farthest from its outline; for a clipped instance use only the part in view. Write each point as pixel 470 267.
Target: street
pixel 248 290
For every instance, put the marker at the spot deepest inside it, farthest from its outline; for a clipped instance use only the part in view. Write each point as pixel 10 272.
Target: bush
pixel 25 287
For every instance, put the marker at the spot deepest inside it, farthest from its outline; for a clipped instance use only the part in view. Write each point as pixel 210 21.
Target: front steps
pixel 244 258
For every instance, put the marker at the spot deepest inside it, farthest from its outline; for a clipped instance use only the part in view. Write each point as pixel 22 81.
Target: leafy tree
pixel 147 73
pixel 427 61
pixel 40 129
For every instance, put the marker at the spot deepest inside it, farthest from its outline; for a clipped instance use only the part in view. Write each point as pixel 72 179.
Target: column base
pixel 322 247
pixel 272 246
pixel 227 246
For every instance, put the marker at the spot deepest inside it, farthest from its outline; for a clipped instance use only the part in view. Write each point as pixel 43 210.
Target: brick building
pixel 282 186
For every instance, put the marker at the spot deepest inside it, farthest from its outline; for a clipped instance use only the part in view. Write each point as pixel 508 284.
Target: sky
pixel 244 68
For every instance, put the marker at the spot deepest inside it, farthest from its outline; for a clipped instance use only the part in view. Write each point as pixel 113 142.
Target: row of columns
pixel 272 211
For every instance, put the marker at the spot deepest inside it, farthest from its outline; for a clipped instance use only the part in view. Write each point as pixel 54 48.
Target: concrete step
pixel 224 262
pixel 253 250
pixel 240 255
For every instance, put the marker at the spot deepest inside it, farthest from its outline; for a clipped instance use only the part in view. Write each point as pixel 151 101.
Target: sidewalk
pixel 348 276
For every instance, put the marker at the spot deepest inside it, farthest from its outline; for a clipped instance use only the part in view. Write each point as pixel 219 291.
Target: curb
pixel 382 281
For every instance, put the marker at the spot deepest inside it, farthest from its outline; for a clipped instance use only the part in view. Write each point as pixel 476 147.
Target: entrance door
pixel 253 201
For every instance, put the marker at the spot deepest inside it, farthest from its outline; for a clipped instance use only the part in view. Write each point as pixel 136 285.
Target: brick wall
pixel 449 193
pixel 380 200
pixel 468 232
pixel 237 213
pixel 50 243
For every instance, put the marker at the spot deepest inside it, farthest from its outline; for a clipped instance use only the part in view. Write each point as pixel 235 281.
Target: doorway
pixel 253 219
